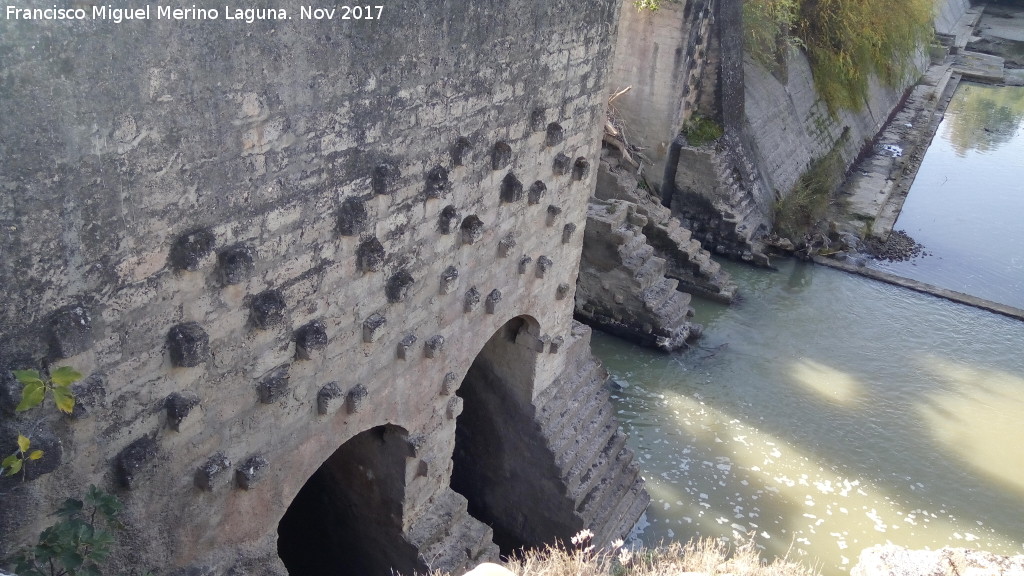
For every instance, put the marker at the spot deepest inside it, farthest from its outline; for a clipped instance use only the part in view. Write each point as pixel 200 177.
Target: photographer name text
pixel 118 15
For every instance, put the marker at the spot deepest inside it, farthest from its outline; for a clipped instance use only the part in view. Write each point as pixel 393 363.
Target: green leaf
pixel 31 395
pixel 28 376
pixel 23 443
pixel 65 376
pixel 14 468
pixel 64 399
pixel 71 507
pixel 35 455
pixel 10 460
pixel 71 560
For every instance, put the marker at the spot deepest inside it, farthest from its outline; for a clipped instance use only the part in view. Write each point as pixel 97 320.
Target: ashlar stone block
pixel 561 165
pixel 398 286
pixel 329 399
pixel 472 229
pixel 448 221
pixel 267 309
pixel 511 189
pixel 537 192
pixel 310 338
pixel 178 406
pixel 449 280
pixel 356 400
pixel 236 264
pixel 250 472
pixel 134 461
pixel 437 185
pixel 189 345
pixel 370 255
pixel 274 386
pixel 189 249
pixel 213 473
pixel 373 328
pixel 492 301
pixel 544 265
pixel 433 347
pixel 472 300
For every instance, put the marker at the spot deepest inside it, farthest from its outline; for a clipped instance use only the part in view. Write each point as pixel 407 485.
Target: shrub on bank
pixel 846 41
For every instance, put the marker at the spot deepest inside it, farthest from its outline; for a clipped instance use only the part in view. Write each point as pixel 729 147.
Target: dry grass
pixel 710 557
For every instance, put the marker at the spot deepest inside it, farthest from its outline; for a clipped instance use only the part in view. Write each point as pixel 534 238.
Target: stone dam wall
pixel 320 280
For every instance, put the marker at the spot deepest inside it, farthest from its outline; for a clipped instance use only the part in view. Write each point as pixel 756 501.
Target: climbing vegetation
pixel 34 390
pixel 846 41
pixel 700 130
pixel 808 202
pixel 650 5
pixel 78 543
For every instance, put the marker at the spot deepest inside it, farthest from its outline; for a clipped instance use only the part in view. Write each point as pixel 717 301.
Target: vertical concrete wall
pixel 258 240
pixel 662 55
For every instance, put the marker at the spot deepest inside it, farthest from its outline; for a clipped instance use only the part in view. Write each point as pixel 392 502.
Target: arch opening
pixel 347 519
pixel 501 462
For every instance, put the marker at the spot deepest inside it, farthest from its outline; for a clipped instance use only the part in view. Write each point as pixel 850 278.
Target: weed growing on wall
pixel 35 388
pixel 700 130
pixel 808 202
pixel 846 40
pixel 766 30
pixel 78 542
pixel 650 5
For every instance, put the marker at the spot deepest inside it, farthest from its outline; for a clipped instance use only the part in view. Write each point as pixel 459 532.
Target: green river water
pixel 825 413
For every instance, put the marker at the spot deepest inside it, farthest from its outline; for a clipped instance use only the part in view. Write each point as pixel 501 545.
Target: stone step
pixel 638 500
pixel 468 543
pixel 598 469
pixel 581 415
pixel 604 493
pixel 570 411
pixel 634 257
pixel 445 509
pixel 611 515
pixel 676 309
pixel 590 455
pixel 553 413
pixel 656 295
pixel 650 271
pixel 566 446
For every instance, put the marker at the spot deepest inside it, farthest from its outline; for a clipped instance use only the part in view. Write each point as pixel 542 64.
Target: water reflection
pixel 980 419
pixel 828 413
pixel 827 382
pixel 984 117
pixel 965 203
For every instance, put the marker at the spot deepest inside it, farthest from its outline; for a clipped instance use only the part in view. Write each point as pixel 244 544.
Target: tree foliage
pixel 846 41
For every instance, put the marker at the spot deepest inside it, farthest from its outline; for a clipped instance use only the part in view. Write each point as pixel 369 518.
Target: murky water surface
pixel 967 202
pixel 826 413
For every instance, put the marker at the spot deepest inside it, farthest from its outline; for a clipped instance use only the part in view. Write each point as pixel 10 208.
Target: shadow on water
pixel 830 413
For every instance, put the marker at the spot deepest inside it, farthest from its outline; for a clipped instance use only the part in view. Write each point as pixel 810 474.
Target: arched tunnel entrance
pixel 502 464
pixel 347 519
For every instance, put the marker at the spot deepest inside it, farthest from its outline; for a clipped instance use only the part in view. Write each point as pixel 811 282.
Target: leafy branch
pixel 78 542
pixel 34 391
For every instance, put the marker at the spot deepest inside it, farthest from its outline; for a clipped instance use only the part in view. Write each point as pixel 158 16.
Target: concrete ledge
pixel 923 287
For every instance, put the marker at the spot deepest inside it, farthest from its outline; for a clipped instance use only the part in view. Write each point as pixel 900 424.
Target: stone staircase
pixel 448 538
pixel 686 259
pixel 590 451
pixel 742 222
pixel 622 287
